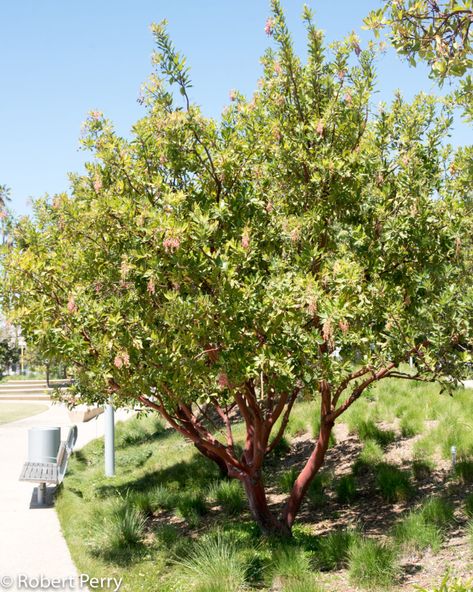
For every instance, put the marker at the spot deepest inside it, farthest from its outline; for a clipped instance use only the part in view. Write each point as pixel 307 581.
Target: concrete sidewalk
pixel 31 541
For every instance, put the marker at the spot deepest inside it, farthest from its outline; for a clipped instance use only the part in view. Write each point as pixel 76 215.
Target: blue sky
pixel 59 60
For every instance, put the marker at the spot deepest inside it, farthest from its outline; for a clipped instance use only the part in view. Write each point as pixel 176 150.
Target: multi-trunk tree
pixel 211 269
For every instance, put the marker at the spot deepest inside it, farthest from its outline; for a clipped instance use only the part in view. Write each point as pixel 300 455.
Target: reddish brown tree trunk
pixel 266 520
pixel 315 460
pixel 222 466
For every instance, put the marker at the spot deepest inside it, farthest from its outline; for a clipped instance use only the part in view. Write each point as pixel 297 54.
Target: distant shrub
pixel 393 484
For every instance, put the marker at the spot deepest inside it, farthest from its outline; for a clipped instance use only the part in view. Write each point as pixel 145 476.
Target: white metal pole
pixel 109 440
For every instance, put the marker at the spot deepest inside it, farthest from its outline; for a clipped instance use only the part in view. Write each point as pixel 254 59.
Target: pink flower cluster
pixel 122 359
pixel 312 308
pixel 223 380
pixel 171 243
pixel 245 240
pixel 97 184
pixel 151 288
pixel 269 26
pixel 71 304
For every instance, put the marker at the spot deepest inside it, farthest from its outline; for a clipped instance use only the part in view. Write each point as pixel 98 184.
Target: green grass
pixel 412 423
pixel 120 530
pixel 366 429
pixel 449 585
pixel 288 563
pixel 213 565
pixel 287 479
pixel 14 411
pixel 181 516
pixel 345 489
pixel 425 527
pixel 464 471
pixel 393 483
pixel 469 530
pixel 369 458
pixel 372 565
pixel 332 550
pixel 316 493
pixel 469 505
pixel 229 495
pixel 191 506
pixel 422 468
pixel 415 533
pixel 437 511
pixel 28 376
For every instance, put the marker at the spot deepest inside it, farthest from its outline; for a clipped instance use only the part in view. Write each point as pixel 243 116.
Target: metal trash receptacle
pixel 43 444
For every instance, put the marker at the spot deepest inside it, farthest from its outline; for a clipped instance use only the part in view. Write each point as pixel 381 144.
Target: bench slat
pixel 40 472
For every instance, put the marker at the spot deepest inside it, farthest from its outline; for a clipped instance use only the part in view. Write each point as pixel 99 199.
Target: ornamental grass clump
pixel 212 565
pixel 372 565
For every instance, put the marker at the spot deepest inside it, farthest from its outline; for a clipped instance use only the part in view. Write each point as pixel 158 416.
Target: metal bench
pixel 50 473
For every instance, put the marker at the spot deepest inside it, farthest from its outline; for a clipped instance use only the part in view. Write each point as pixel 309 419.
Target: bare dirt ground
pixel 375 517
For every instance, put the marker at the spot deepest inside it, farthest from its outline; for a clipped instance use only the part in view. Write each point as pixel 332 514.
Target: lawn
pixel 13 411
pixel 387 512
pixel 29 376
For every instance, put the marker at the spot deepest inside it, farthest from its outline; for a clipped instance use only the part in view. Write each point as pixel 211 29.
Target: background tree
pixel 209 269
pixel 9 356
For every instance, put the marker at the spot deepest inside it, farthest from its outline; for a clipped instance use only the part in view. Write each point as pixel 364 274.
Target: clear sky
pixel 60 59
